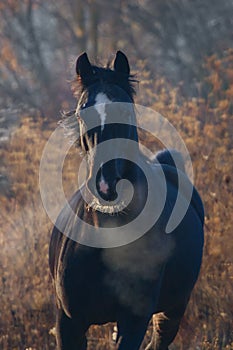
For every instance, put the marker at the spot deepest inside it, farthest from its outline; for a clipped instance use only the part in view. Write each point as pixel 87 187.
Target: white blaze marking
pixel 101 100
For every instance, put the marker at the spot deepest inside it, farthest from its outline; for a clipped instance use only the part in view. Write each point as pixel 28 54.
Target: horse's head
pixel 105 113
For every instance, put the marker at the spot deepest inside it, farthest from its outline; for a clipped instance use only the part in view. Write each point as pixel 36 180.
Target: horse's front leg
pixel 70 333
pixel 165 328
pixel 131 331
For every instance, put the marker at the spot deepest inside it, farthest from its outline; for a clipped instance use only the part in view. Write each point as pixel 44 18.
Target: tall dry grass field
pixel 206 125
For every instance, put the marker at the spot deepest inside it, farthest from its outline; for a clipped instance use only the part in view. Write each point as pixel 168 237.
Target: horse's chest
pixel 94 279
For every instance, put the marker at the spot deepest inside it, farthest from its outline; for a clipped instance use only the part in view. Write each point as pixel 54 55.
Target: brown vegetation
pixel 206 125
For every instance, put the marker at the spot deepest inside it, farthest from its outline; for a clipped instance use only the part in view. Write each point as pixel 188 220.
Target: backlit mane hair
pixel 109 76
pixel 105 76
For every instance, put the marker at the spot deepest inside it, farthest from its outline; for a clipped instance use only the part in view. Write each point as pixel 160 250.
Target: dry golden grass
pixel 206 125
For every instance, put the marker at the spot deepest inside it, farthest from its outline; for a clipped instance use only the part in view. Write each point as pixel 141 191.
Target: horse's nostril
pixel 103 187
pixel 107 191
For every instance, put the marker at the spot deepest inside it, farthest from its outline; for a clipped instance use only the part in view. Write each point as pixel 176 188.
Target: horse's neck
pixel 137 176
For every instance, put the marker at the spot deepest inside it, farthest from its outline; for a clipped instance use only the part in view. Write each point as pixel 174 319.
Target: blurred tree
pixel 92 44
pixel 177 35
pixel 25 72
pixel 38 39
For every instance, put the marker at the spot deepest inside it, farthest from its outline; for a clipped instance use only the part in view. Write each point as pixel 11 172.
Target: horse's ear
pixel 121 64
pixel 83 66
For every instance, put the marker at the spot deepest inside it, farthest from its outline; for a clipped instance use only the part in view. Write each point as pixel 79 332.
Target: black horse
pixel 152 274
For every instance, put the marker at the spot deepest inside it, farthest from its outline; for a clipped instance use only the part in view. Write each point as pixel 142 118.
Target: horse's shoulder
pixel 65 217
